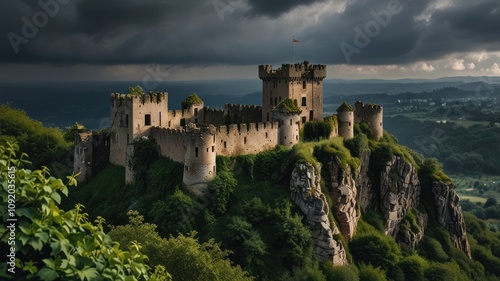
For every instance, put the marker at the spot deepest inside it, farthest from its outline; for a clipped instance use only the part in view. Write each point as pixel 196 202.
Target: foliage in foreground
pixel 55 244
pixel 183 256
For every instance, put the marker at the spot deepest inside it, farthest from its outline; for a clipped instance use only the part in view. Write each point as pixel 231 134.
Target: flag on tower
pixel 294 40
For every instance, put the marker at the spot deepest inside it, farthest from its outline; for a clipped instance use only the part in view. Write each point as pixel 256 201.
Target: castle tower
pixel 371 114
pixel 302 82
pixel 132 115
pixel 91 153
pixel 345 116
pixel 199 156
pixel 83 155
pixel 287 114
pixel 193 106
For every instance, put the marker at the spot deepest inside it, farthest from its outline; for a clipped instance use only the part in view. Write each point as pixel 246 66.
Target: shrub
pixel 317 130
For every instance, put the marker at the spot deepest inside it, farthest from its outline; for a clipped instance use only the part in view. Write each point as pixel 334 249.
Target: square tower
pixel 302 82
pixel 132 116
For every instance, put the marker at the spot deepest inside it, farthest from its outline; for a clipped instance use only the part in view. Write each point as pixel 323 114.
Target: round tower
pixel 345 114
pixel 192 106
pixel 287 114
pixel 371 114
pixel 199 157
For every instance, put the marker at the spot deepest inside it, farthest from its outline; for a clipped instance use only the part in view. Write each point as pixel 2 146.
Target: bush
pixel 222 186
pixel 370 273
pixel 317 130
pixel 413 267
pixel 375 249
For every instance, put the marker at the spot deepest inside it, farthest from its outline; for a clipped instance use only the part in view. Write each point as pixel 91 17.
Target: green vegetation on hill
pixel 45 145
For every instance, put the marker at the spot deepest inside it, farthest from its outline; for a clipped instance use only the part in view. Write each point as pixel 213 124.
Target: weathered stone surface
pixel 399 191
pixel 409 238
pixel 449 214
pixel 306 193
pixel 366 195
pixel 343 192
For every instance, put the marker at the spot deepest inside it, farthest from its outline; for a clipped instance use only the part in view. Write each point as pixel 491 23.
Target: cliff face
pixel 449 214
pixel 306 193
pixel 396 197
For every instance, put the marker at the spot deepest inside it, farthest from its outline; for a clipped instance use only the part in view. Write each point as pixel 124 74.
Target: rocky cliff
pixel 395 195
pixel 306 193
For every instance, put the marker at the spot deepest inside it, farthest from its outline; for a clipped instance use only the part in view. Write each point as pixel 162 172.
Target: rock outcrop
pixel 412 235
pixel 449 214
pixel 399 191
pixel 306 193
pixel 344 195
pixel 366 195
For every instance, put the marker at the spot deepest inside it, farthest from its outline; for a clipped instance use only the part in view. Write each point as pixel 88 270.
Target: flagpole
pixel 293 50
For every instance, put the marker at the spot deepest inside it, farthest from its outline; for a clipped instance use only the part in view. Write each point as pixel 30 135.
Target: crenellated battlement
pixel 293 72
pixel 242 106
pixel 244 128
pixel 371 114
pixel 156 97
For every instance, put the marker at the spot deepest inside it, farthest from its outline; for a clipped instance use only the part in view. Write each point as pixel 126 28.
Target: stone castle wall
pixel 249 138
pixel 239 113
pixel 212 116
pixel 170 142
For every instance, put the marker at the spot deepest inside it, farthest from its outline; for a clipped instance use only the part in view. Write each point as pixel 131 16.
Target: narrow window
pixel 126 120
pixel 303 119
pixel 159 116
pixel 304 84
pixel 147 120
pixel 196 111
pixel 304 101
pixel 213 148
pixel 266 135
pixel 225 144
pixel 214 139
pixel 275 101
pixel 214 168
pixel 296 137
pixel 169 124
pixel 311 115
pixel 196 151
pixel 245 140
pixel 290 122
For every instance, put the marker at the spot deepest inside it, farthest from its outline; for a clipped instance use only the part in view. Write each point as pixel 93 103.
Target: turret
pixel 287 113
pixel 82 164
pixel 301 81
pixel 193 105
pixel 199 156
pixel 346 120
pixel 371 114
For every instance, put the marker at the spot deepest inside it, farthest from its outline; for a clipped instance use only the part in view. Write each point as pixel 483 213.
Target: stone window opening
pixel 196 152
pixel 159 117
pixel 290 122
pixel 147 120
pixel 267 135
pixel 126 120
pixel 304 101
pixel 213 148
pixel 225 144
pixel 304 84
pixel 196 111
pixel 245 140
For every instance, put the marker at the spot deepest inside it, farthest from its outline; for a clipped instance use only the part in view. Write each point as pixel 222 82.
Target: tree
pixel 375 249
pixel 183 256
pixel 490 202
pixel 137 90
pixel 52 243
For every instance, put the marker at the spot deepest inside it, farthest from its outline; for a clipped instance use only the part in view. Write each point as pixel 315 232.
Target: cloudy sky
pixel 207 39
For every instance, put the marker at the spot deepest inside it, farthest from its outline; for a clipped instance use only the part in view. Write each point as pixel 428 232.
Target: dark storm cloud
pixel 202 33
pixel 276 8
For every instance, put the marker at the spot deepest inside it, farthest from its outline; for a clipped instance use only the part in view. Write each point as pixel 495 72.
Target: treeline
pixel 463 150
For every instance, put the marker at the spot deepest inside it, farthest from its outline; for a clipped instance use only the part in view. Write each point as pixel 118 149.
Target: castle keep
pixel 292 95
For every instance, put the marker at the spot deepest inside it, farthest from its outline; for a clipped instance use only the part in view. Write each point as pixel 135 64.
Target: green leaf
pixel 47 274
pixel 56 197
pixel 28 212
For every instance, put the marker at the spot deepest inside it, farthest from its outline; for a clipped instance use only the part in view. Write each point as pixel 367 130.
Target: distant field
pixel 472 198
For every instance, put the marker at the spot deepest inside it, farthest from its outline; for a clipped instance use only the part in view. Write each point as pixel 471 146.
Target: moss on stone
pixel 345 107
pixel 190 100
pixel 289 106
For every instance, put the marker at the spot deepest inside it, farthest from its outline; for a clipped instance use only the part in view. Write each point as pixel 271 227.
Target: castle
pixel 291 96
